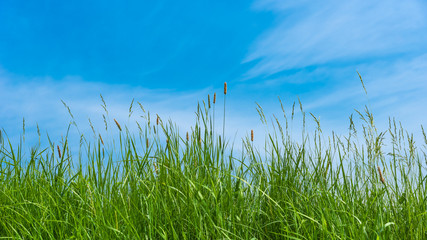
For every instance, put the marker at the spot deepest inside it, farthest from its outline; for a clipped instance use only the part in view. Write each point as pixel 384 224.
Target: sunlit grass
pixel 157 184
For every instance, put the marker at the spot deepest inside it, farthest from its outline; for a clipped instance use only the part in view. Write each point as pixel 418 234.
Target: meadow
pixel 158 183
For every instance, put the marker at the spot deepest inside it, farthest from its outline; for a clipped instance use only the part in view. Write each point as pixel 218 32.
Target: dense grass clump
pixel 158 184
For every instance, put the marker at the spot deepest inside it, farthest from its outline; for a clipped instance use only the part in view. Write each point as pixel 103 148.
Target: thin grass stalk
pixel 213 117
pixel 223 121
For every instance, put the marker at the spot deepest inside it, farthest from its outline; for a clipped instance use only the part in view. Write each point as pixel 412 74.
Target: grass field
pixel 158 184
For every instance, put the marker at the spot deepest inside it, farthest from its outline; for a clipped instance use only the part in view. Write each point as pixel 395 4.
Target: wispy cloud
pixel 315 48
pixel 312 33
pixel 402 80
pixel 38 100
pixel 395 89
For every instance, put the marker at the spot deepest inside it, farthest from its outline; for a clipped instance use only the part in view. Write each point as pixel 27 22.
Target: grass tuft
pixel 196 187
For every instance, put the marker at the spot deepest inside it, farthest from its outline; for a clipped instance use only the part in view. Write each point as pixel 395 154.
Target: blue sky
pixel 170 54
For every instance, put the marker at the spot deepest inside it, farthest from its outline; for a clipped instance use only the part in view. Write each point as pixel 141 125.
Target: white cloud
pixel 311 33
pixel 401 80
pixel 329 40
pixel 395 89
pixel 38 100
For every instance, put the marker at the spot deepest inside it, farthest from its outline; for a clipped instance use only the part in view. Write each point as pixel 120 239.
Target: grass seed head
pixel 146 142
pixel 187 137
pixel 252 135
pixel 157 120
pixel 209 101
pixel 225 88
pixel 381 175
pixel 100 138
pixel 59 151
pixel 214 100
pixel 118 125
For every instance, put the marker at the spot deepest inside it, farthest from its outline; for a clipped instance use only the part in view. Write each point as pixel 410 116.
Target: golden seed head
pixel 146 142
pixel 101 139
pixel 187 137
pixel 157 120
pixel 118 125
pixel 214 100
pixel 59 151
pixel 225 88
pixel 381 175
pixel 252 135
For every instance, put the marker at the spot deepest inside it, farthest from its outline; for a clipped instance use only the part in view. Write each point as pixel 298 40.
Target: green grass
pixel 318 187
